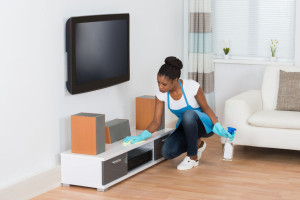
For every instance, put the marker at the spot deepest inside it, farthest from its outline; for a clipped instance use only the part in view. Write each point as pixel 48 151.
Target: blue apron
pixel 208 125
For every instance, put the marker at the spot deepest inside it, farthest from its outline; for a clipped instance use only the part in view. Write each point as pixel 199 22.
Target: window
pixel 249 25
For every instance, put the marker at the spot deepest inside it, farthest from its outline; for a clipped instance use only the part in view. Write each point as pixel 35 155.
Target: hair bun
pixel 175 62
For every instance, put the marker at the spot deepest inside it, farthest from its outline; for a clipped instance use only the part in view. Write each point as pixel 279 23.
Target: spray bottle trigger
pixel 231 130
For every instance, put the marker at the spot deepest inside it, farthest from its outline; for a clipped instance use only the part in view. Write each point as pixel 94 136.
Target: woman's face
pixel 164 83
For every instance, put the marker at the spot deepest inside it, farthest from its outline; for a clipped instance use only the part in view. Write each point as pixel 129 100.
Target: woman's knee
pixel 189 116
pixel 166 152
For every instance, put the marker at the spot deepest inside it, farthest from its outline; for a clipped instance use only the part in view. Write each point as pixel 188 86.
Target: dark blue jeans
pixel 185 137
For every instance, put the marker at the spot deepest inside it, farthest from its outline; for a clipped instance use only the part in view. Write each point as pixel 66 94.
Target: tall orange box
pixel 88 133
pixel 145 106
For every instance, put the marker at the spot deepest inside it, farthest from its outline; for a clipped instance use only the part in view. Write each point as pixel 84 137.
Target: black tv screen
pixel 98 52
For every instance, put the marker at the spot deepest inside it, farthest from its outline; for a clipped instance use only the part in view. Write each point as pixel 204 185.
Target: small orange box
pixel 88 133
pixel 107 135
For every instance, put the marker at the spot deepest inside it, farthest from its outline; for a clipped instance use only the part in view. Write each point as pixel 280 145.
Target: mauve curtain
pixel 201 67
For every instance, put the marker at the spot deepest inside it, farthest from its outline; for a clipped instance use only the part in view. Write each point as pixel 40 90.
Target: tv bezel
pixel 72 87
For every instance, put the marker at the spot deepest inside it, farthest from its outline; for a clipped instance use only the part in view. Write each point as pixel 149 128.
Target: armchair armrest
pixel 239 108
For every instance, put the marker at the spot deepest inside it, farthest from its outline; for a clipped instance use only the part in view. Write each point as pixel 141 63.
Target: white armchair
pixel 257 122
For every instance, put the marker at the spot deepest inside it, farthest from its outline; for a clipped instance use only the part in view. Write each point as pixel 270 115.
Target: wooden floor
pixel 254 173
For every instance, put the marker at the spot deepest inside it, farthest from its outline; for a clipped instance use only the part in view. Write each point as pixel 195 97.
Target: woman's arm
pixel 158 112
pixel 200 97
pixel 218 129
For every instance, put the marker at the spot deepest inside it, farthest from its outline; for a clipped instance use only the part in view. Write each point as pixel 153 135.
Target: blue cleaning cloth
pixel 134 139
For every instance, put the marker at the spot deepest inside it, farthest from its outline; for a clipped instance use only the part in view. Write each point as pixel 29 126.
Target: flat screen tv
pixel 98 52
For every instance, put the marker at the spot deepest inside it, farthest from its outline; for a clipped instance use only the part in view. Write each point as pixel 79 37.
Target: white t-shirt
pixel 190 88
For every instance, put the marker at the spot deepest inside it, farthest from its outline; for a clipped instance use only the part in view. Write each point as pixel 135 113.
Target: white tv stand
pixel 110 167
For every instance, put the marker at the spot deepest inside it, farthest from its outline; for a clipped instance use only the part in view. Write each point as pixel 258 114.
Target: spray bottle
pixel 228 146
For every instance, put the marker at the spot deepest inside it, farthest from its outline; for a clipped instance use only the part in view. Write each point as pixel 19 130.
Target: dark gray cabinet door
pixel 114 168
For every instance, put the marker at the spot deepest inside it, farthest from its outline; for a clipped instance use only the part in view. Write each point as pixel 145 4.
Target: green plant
pixel 226 50
pixel 273 46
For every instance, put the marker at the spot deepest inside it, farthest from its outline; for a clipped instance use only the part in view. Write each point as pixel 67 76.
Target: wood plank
pixel 254 173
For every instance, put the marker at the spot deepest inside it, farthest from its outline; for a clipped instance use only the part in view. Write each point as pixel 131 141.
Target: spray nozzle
pixel 231 130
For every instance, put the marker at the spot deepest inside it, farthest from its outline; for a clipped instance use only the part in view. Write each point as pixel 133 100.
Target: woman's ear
pixel 173 81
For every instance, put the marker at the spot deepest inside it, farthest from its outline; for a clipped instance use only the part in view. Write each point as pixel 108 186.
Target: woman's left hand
pixel 134 139
pixel 219 130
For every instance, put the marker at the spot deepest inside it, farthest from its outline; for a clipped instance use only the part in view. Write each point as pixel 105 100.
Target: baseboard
pixel 33 186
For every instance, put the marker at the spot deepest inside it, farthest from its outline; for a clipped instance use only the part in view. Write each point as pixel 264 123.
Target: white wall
pixel 232 79
pixel 35 105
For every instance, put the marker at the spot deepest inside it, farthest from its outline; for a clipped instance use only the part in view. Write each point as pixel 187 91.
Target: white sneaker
pixel 200 150
pixel 187 163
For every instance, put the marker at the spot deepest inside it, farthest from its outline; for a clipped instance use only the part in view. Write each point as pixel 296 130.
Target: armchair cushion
pixel 289 91
pixel 270 85
pixel 275 119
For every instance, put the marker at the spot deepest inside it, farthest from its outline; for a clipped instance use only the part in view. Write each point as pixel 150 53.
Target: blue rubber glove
pixel 144 135
pixel 219 130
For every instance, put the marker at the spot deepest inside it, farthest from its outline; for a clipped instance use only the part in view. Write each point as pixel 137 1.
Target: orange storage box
pixel 88 133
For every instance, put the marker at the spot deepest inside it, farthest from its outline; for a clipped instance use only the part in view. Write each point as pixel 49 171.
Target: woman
pixel 196 120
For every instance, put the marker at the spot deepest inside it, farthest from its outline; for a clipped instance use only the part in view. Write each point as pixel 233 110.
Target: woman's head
pixel 169 73
pixel 171 68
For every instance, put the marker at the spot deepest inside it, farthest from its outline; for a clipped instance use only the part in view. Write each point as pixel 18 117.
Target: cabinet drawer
pixel 158 143
pixel 114 168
